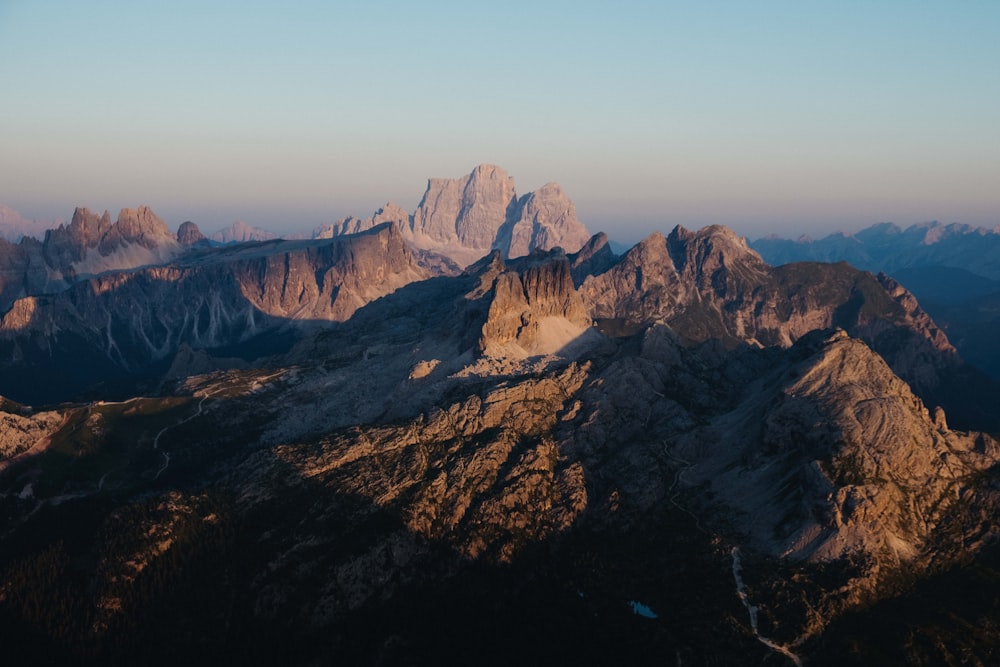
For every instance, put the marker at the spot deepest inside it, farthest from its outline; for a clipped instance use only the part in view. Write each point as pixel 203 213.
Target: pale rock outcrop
pixel 241 232
pixel 710 285
pixel 469 210
pixel 133 318
pixel 92 244
pixel 544 219
pixel 834 457
pixel 464 218
pixel 535 309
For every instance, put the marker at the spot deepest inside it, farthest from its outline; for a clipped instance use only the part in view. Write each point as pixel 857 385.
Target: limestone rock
pixel 544 219
pixel 536 308
pixel 841 458
pixel 241 232
pixel 188 234
pixel 131 319
pixel 469 210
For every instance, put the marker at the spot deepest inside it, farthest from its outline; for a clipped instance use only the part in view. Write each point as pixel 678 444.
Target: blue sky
pixel 771 117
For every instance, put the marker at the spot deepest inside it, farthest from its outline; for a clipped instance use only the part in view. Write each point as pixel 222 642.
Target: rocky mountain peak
pixel 483 211
pixel 139 226
pixel 470 209
pixel 92 243
pixel 594 258
pixel 189 234
pixel 535 308
pixel 545 218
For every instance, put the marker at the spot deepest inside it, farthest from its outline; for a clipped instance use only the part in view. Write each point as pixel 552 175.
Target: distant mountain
pixel 90 244
pixel 887 247
pixel 241 232
pixel 953 269
pixel 464 218
pixel 122 324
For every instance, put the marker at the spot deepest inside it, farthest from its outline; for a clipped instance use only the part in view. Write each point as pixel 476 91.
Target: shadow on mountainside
pixel 241 552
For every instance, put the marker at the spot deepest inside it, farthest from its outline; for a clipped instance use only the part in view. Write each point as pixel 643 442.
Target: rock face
pixel 816 449
pixel 20 432
pixel 118 245
pixel 709 285
pixel 465 218
pixel 188 234
pixel 543 219
pixel 351 225
pixel 88 245
pixel 470 210
pixel 534 309
pixel 127 320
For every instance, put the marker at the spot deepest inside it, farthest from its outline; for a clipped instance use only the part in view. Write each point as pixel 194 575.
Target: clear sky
pixel 785 117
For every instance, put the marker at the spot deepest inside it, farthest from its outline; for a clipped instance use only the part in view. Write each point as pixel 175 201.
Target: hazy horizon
pixel 786 119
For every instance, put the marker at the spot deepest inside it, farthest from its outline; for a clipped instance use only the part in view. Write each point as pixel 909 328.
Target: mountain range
pixel 362 449
pixel 953 269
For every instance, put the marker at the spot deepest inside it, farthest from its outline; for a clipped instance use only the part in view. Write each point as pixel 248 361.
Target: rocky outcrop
pixel 88 245
pixel 837 458
pixel 593 259
pixel 188 234
pixel 543 219
pixel 464 218
pixel 534 309
pixel 20 431
pixel 92 244
pixel 710 285
pixel 468 210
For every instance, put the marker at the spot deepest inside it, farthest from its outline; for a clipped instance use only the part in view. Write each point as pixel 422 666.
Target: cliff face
pixel 89 244
pixel 188 234
pixel 214 299
pixel 534 309
pixel 709 285
pixel 835 456
pixel 469 210
pixel 465 218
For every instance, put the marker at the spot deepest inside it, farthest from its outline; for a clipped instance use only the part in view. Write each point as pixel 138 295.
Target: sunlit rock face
pixel 131 319
pixel 90 244
pixel 188 234
pixel 465 218
pixel 469 210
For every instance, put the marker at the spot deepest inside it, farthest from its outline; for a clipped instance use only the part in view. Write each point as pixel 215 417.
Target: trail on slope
pixel 156 440
pixel 741 591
